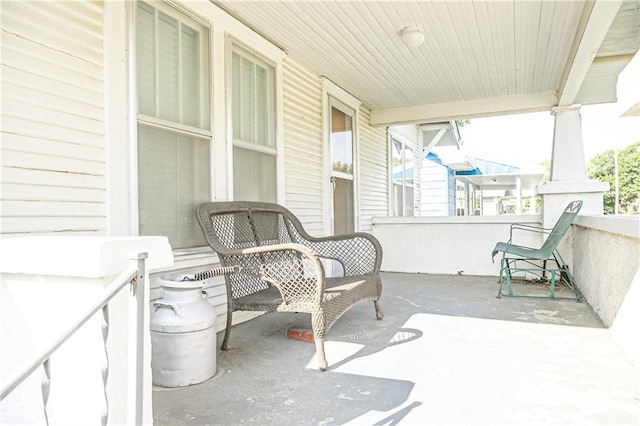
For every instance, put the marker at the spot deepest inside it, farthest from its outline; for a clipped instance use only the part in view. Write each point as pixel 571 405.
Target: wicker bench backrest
pixel 234 225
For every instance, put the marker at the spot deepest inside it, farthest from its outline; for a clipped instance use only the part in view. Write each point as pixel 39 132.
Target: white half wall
pixel 447 245
pixel 47 284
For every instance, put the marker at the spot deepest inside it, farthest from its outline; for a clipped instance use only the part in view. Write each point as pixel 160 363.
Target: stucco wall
pixel 606 255
pixel 605 265
pixel 447 245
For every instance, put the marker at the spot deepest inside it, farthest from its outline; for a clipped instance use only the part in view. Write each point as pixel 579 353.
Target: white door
pixel 341 144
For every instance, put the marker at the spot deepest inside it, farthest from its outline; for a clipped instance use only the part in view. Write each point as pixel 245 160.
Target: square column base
pixel 556 195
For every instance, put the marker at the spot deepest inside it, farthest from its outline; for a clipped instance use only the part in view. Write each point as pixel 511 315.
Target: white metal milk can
pixel 183 334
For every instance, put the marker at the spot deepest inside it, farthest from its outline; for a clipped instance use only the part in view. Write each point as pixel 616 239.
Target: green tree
pixel 463 122
pixel 602 168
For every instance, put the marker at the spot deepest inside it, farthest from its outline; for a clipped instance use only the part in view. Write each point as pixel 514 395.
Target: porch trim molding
pixel 595 23
pixel 501 105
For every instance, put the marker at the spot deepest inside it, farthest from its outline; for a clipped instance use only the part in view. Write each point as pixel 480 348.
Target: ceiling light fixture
pixel 412 35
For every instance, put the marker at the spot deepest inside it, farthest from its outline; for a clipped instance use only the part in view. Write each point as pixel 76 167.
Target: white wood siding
pixel 303 152
pixel 373 171
pixel 53 153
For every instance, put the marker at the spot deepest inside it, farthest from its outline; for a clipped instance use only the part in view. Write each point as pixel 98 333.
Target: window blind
pixel 174 171
pixel 253 116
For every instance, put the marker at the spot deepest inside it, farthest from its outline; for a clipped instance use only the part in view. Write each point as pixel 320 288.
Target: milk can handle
pixel 176 307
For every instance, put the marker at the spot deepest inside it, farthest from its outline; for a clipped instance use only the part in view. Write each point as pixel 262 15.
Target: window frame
pixel 205 130
pixel 406 182
pixel 245 53
pixel 206 76
pixel 222 29
pixel 276 149
pixel 334 95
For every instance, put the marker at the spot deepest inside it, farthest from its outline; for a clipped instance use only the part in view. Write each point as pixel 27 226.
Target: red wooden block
pixel 304 335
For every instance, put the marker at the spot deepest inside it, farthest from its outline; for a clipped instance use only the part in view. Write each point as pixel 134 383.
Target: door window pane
pixel 341 141
pixel 343 206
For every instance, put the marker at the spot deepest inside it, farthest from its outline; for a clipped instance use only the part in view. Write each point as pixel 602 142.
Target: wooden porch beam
pixel 485 107
pixel 594 25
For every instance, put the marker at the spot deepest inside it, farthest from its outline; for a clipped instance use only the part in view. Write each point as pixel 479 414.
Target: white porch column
pixel 46 284
pixel 467 193
pixel 569 179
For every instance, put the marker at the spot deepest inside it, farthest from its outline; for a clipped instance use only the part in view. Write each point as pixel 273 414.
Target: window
pixel 254 139
pixel 402 178
pixel 174 135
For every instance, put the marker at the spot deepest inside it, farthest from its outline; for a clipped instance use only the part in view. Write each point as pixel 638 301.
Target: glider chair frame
pixel 527 260
pixel 277 265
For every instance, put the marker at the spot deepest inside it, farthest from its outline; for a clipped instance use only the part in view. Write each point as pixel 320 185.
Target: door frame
pixel 333 95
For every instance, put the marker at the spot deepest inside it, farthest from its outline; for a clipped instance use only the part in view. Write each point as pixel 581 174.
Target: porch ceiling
pixel 479 57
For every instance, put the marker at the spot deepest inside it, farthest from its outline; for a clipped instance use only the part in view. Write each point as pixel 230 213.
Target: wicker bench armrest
pixel 359 253
pixel 293 269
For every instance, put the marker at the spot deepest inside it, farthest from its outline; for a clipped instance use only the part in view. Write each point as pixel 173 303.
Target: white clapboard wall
pixel 53 133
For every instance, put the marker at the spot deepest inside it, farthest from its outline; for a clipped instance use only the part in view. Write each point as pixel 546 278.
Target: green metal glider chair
pixel 527 260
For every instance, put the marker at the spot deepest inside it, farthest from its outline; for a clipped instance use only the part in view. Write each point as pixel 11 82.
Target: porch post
pixel 518 194
pixel 569 179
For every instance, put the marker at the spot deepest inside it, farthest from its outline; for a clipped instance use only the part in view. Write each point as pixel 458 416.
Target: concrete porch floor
pixel 447 352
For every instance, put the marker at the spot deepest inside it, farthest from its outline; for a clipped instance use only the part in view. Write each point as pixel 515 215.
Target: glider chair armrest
pixel 359 253
pixel 528 228
pixel 294 270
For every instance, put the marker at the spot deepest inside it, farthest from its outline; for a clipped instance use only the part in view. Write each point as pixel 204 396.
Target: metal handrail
pixel 133 275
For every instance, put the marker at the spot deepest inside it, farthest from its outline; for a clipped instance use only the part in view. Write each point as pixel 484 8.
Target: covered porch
pixel 447 352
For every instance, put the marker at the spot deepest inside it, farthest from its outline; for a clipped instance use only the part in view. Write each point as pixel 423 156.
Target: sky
pixel 525 140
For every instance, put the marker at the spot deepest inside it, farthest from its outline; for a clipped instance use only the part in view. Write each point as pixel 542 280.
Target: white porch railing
pixel 135 277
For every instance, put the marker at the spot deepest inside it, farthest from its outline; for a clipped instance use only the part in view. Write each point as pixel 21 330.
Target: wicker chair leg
pixel 319 326
pixel 379 314
pixel 322 359
pixel 227 330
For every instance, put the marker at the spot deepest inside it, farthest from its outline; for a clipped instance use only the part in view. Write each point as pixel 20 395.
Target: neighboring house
pixel 502 188
pixel 454 184
pixel 439 188
pixel 491 188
